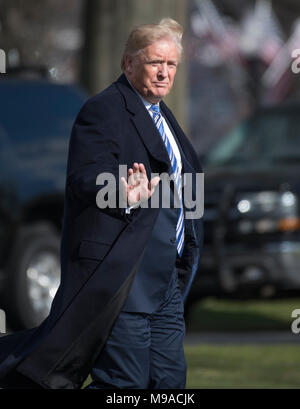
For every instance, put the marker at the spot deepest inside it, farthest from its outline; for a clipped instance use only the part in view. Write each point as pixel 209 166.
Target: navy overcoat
pixel 100 248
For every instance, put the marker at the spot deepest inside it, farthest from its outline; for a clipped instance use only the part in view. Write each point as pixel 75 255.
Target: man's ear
pixel 128 64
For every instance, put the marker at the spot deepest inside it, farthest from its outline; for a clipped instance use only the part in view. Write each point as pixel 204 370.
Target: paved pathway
pixel 238 338
pixel 265 337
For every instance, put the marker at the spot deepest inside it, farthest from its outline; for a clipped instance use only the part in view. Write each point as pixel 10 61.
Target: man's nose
pixel 163 71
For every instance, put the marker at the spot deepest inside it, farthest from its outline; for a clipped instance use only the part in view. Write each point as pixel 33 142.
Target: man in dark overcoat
pixel 127 265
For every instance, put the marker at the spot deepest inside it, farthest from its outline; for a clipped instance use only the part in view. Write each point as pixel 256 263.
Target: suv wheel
pixel 34 276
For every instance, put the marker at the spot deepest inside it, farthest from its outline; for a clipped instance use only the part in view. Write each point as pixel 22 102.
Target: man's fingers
pixel 136 173
pixel 142 168
pixel 135 167
pixel 153 183
pixel 123 182
pixel 124 187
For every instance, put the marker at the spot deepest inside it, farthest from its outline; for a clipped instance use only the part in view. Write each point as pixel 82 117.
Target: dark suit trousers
pixel 145 351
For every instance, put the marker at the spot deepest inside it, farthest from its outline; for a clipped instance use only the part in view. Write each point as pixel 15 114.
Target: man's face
pixel 152 72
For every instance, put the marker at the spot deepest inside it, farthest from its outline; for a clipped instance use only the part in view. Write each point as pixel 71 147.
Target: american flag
pixel 256 37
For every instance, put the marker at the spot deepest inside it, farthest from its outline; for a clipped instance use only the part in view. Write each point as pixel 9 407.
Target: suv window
pixel 262 141
pixel 35 125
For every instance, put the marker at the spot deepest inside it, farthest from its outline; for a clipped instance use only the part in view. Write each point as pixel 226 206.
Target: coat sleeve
pixel 94 150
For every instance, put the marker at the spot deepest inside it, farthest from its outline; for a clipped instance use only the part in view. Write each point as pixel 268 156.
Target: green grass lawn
pixel 266 366
pixel 242 366
pixel 251 366
pixel 231 315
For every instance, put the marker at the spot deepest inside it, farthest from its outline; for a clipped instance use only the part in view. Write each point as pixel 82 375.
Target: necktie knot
pixel 155 109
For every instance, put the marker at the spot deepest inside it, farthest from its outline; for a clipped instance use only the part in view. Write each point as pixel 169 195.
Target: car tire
pixel 33 276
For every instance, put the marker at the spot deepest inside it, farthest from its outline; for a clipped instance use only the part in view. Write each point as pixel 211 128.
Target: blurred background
pixel 237 96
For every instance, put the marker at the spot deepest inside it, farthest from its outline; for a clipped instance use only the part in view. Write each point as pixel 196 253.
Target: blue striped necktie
pixel 158 120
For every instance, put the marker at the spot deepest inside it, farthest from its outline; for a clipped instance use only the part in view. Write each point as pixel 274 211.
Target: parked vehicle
pixel 36 117
pixel 251 219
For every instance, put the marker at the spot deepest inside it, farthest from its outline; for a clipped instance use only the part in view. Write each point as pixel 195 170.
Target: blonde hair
pixel 147 34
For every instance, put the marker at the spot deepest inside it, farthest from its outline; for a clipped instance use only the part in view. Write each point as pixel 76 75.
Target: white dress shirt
pixel 168 133
pixel 167 130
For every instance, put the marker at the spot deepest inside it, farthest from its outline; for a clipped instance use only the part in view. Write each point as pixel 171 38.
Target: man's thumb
pixel 153 183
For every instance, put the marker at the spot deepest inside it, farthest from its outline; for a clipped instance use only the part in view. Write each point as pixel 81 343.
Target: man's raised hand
pixel 138 188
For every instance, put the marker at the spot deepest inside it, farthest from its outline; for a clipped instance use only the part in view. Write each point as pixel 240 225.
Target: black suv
pixel 251 219
pixel 36 117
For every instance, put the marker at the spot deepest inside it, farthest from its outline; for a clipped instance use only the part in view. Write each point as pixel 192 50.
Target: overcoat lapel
pixel 144 124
